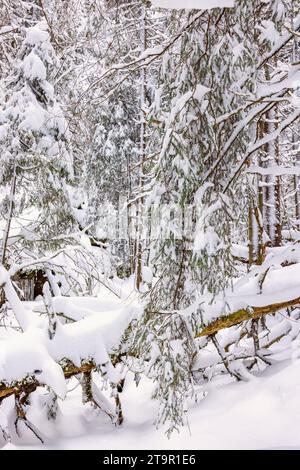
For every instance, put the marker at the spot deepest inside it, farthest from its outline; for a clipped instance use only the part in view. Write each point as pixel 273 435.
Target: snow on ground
pixel 259 414
pixel 101 323
pixel 263 413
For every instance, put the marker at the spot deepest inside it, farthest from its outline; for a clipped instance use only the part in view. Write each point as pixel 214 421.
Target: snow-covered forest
pixel 149 224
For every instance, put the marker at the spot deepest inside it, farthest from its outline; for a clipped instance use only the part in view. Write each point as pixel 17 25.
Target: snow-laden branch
pixel 266 289
pixel 244 314
pixel 274 170
pixel 33 353
pixel 260 143
pixel 29 386
pixel 146 58
pixel 282 41
pixel 192 4
pixel 19 311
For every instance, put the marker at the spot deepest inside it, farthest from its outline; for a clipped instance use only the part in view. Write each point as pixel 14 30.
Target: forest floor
pixel 263 413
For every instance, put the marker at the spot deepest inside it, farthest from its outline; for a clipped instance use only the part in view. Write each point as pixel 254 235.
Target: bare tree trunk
pixel 10 213
pixel 138 251
pixel 278 215
pixel 272 220
pixel 250 235
pixel 294 140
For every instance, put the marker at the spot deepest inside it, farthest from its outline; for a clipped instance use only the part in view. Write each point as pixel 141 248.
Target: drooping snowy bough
pixel 192 4
pixel 47 352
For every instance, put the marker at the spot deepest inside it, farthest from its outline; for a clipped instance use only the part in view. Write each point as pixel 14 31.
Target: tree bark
pixel 10 214
pixel 29 386
pixel 242 315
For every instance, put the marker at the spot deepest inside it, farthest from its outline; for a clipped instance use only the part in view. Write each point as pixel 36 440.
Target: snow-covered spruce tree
pixel 36 159
pixel 192 255
pixel 14 15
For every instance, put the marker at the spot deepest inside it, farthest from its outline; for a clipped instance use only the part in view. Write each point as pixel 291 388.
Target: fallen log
pixel 235 318
pixel 250 313
pixel 28 386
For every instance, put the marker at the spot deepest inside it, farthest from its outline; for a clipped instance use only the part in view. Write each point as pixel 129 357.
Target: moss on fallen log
pixel 242 315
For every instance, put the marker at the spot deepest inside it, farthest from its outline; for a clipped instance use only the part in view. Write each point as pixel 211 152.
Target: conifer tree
pixel 36 155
